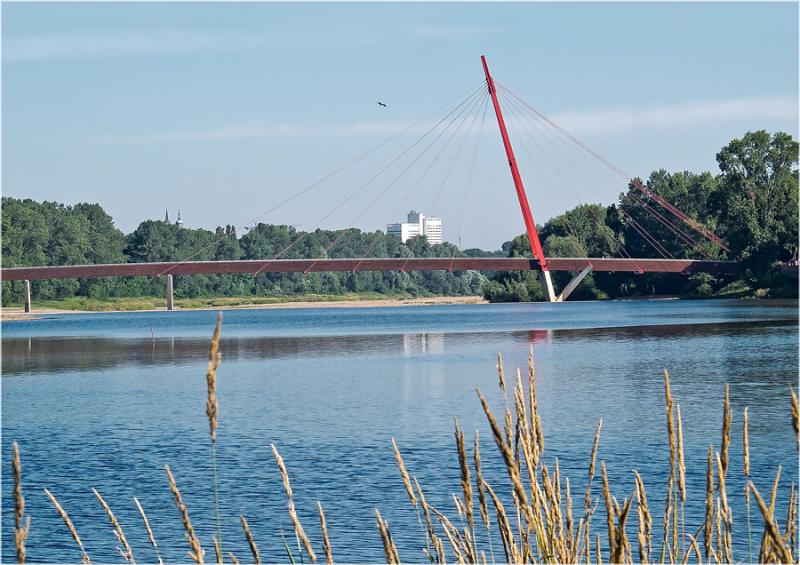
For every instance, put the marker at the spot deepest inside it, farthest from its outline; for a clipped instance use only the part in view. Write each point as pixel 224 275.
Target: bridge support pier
pixel 170 297
pixel 547 285
pixel 27 296
pixel 574 283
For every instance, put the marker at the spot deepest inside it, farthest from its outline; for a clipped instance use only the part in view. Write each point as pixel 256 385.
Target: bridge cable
pixel 370 180
pixel 649 238
pixel 620 247
pixel 664 221
pixel 677 231
pixel 589 180
pixel 328 176
pixel 468 183
pixel 599 158
pixel 416 185
pixel 444 182
pixel 692 223
pixel 464 114
pixel 536 167
pixel 688 239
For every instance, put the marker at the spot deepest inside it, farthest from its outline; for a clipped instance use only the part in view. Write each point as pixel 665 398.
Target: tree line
pixel 49 233
pixel 752 203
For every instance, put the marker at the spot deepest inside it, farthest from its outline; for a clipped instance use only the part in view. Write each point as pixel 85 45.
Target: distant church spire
pixel 179 223
pixel 166 217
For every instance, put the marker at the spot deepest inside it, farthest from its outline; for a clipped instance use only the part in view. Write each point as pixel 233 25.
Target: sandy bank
pixel 16 313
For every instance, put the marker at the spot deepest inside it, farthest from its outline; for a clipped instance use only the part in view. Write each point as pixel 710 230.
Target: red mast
pixel 530 225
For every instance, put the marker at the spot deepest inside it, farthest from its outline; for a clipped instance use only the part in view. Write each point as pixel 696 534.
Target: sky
pixel 225 110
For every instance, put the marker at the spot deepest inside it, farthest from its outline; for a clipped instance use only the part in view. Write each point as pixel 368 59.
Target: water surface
pixel 105 400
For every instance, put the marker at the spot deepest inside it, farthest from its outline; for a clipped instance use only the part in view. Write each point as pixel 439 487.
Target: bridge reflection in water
pixel 31 355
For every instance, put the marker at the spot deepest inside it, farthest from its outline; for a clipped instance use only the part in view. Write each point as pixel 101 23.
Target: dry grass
pixel 326 542
pixel 22 525
pixel 150 535
pixel 538 525
pixel 212 410
pixel 298 527
pixel 70 526
pixel 250 540
pixel 196 551
pixel 214 359
pixel 125 550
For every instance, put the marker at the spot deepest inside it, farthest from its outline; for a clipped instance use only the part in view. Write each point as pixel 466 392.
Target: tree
pixel 758 198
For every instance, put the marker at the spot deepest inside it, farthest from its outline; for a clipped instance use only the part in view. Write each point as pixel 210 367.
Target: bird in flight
pixel 382 104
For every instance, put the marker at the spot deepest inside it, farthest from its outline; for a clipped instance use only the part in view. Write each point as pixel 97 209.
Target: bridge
pixel 681 226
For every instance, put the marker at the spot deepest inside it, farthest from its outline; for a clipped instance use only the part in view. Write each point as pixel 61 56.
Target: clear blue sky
pixel 223 110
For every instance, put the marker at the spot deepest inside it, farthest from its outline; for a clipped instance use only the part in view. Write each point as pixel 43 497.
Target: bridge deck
pixel 685 267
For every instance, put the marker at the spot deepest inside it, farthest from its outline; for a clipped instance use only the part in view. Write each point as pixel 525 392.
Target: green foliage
pixel 757 200
pixel 53 234
pixel 752 204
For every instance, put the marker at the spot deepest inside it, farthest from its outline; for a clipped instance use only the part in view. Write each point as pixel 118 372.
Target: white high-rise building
pixel 418 224
pixel 432 227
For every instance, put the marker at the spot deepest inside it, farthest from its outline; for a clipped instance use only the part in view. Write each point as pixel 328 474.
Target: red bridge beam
pixel 685 267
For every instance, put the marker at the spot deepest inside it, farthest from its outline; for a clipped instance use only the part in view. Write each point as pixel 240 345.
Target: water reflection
pixel 34 355
pixel 423 343
pixel 110 410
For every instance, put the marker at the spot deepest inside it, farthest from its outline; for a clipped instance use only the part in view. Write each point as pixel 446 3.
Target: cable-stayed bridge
pixel 459 122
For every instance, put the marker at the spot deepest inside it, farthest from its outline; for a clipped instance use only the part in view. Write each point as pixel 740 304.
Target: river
pixel 105 400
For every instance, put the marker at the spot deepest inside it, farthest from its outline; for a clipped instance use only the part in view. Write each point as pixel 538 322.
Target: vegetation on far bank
pixel 752 204
pixel 112 304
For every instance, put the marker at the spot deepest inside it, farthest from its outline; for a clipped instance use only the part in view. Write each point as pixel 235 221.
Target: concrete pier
pixel 27 295
pixel 170 298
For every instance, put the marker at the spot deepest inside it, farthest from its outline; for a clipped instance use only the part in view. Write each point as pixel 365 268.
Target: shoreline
pixel 14 313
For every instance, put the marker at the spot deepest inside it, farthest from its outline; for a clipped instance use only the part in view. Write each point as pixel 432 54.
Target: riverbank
pixel 150 304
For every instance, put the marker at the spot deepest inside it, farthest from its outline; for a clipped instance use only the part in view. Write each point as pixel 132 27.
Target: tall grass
pixel 541 524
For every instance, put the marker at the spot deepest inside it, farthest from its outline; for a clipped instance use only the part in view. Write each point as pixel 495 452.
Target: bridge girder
pixel 575 264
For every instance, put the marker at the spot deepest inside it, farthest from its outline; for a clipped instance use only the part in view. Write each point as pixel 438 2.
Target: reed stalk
pixel 404 473
pixel 196 551
pixel 150 536
pixel 727 418
pixel 506 533
pixel 298 527
pixel 587 500
pixel 250 540
pixel 484 510
pixel 22 524
pixel 217 549
pixel 212 411
pixel 538 526
pixel 681 475
pixel 726 511
pixel 125 551
pixel 746 470
pixel 645 520
pixel 434 539
pixel 326 542
pixel 709 519
pixel 466 482
pixel 388 544
pixel 68 522
pixel 771 528
pixel 410 492
pixel 795 416
pixel 535 418
pixel 508 457
pixel 791 519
